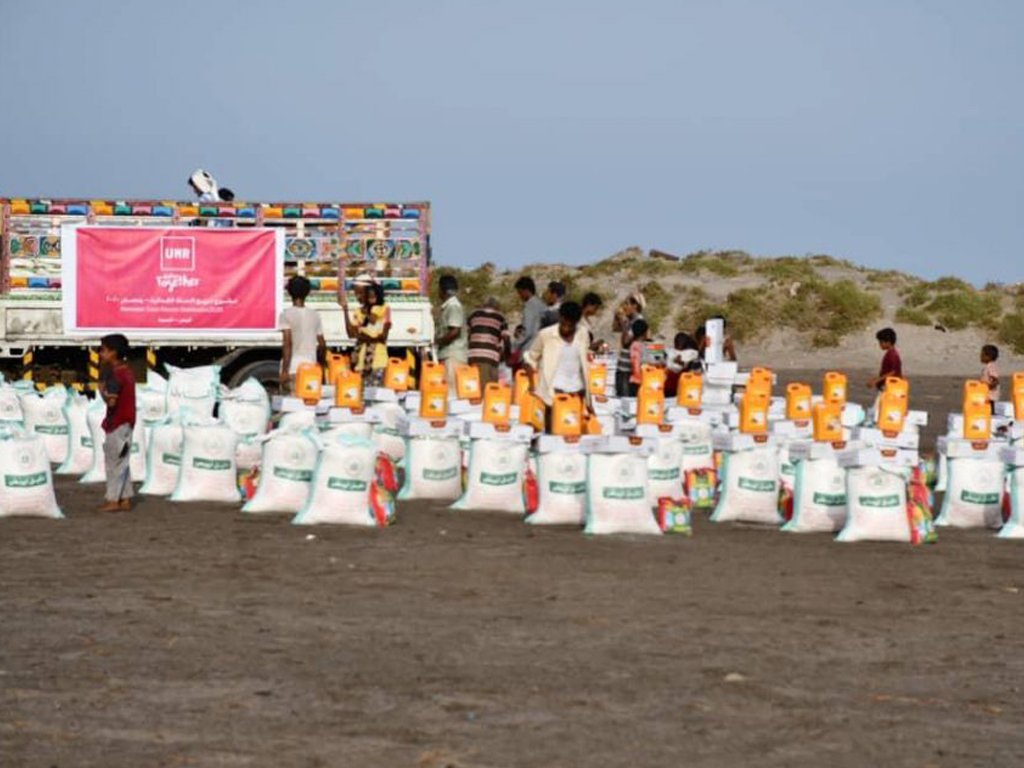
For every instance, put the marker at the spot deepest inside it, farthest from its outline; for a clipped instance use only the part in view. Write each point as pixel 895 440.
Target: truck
pixel 329 243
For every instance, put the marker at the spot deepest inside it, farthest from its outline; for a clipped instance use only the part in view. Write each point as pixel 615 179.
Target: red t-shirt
pixel 120 381
pixel 891 366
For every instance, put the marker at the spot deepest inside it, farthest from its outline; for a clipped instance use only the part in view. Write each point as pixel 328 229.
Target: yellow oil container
pixel 497 407
pixel 566 415
pixel 592 425
pixel 396 374
pixel 432 376
pixel 309 383
pixel 538 413
pixel 597 374
pixel 827 421
pixel 690 391
pixel 892 413
pixel 834 387
pixel 467 383
pixel 525 407
pixel 521 390
pixel 652 379
pixel 1018 396
pixel 336 363
pixel 760 381
pixel 348 389
pixel 977 412
pixel 798 402
pixel 754 412
pixel 434 403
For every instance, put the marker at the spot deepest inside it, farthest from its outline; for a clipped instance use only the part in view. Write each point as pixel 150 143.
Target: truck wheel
pixel 266 372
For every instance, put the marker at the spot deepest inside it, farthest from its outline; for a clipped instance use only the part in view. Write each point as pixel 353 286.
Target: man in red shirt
pixel 118 391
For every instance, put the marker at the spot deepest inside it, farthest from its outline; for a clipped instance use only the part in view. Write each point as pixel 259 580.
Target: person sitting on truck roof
pixel 302 331
pixel 368 326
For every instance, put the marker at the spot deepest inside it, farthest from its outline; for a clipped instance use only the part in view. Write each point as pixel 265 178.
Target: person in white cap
pixel 628 312
pixel 204 186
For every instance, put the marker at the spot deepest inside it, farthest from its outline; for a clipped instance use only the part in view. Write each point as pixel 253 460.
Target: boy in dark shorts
pixel 117 388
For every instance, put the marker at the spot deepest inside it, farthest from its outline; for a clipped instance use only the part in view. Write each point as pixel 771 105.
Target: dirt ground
pixel 193 635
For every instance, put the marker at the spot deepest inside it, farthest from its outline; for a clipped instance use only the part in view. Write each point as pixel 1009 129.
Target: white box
pixel 812 449
pixel 959 448
pixel 737 441
pixel 853 415
pixel 416 427
pixel 380 395
pixel 1016 431
pixel 668 429
pixel 793 430
pixel 877 457
pixel 724 372
pixel 1012 455
pixel 874 437
pixel 295 404
pixel 457 406
pixel 716 396
pixel 481 430
pixel 625 444
pixel 347 416
pixel 608 407
pixel 1005 409
pixel 559 444
pixel 917 418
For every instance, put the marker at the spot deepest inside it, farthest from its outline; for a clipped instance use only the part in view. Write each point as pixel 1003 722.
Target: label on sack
pixel 696 450
pixel 762 486
pixel 664 474
pixel 979 498
pixel 830 499
pixel 86 442
pixel 52 429
pixel 171 458
pixel 879 501
pixel 214 464
pixel 571 488
pixel 25 481
pixel 440 474
pixel 345 484
pixel 508 478
pixel 624 493
pixel 298 475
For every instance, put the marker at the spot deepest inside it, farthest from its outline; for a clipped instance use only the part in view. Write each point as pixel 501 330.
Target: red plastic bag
pixel 531 491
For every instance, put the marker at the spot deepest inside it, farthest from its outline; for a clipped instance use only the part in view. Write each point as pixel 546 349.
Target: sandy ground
pixel 193 635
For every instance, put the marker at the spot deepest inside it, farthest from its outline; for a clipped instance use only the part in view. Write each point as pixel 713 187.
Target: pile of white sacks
pixel 197 441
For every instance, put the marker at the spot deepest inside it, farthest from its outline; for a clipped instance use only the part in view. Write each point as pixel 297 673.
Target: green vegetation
pixel 964 308
pixel 720 263
pixel 913 316
pixel 787 269
pixel 1011 331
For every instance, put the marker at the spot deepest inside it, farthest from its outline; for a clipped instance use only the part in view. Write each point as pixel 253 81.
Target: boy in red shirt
pixel 892 364
pixel 118 391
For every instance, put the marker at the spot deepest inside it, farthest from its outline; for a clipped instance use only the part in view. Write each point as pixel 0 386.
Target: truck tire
pixel 266 372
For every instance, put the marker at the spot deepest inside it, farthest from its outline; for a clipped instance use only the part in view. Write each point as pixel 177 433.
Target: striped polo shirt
pixel 487 330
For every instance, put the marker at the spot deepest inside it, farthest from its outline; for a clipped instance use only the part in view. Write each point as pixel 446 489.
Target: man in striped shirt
pixel 488 340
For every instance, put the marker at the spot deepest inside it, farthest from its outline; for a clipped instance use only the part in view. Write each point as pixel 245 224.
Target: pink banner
pixel 172 279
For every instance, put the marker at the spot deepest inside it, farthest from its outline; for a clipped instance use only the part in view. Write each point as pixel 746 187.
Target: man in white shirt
pixel 302 333
pixel 559 356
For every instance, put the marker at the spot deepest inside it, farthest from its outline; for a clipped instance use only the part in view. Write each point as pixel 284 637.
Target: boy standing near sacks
pixel 117 389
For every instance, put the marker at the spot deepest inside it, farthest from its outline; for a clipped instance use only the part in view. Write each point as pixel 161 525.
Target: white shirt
pixel 305 325
pixel 568 376
pixel 680 358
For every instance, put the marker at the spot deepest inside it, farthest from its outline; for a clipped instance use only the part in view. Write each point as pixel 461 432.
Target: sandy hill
pixel 791 312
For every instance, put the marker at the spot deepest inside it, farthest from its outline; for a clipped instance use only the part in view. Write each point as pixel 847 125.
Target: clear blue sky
pixel 888 132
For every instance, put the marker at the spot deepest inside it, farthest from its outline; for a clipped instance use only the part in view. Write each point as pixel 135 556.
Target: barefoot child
pixel 118 391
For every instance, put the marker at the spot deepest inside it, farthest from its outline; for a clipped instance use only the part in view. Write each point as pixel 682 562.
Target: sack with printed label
pixel 674 516
pixel 344 479
pixel 286 471
pixel 193 391
pixel 665 470
pixel 698 452
pixel 44 416
pixel 385 433
pixel 974 494
pixel 750 487
pixel 561 490
pixel 79 453
pixel 876 505
pixel 617 495
pixel 94 416
pixel 163 458
pixel 137 457
pixel 494 477
pixel 10 407
pixel 150 404
pixel 433 469
pixel 246 409
pixel 208 471
pixel 1013 528
pixel 26 485
pixel 819 497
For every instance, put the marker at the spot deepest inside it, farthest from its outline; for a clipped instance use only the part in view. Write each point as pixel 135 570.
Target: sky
pixel 882 131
